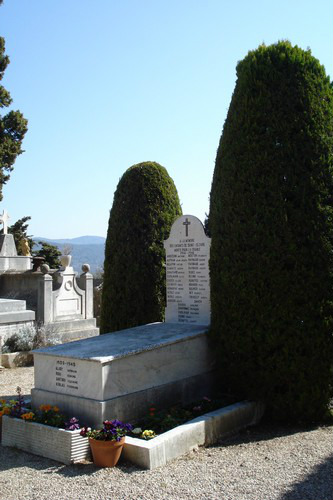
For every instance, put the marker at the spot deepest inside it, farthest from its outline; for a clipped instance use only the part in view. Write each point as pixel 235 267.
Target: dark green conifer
pixel 145 206
pixel 13 127
pixel 271 223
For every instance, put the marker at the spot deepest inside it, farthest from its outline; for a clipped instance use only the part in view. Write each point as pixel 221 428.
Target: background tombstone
pixel 9 260
pixel 187 273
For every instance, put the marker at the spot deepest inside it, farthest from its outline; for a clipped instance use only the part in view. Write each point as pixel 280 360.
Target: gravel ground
pixel 263 463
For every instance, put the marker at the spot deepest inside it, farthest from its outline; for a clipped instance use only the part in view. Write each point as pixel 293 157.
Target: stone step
pixel 16 317
pixel 11 305
pixel 77 334
pixel 73 325
pixel 19 263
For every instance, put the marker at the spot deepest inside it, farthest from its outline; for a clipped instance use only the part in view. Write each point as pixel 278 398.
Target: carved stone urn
pixel 65 260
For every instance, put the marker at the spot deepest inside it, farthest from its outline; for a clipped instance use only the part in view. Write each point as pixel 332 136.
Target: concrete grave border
pixel 69 447
pixel 201 431
pixel 64 446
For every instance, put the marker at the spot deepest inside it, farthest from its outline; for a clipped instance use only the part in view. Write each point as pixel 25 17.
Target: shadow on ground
pixel 264 432
pixel 317 485
pixel 11 458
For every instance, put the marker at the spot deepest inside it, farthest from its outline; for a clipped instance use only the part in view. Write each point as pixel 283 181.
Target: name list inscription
pixel 188 290
pixel 66 375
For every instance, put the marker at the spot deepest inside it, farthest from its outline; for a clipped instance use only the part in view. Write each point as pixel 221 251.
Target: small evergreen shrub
pixel 31 337
pixel 145 206
pixel 50 252
pixel 21 341
pixel 271 223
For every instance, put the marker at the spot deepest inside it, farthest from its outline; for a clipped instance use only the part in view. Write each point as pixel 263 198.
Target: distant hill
pixel 84 250
pixel 80 240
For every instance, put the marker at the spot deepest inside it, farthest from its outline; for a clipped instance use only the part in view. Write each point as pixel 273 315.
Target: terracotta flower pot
pixel 106 453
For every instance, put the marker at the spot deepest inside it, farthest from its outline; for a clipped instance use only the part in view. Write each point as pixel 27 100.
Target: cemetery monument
pixel 9 260
pixel 118 375
pixel 187 273
pixel 57 299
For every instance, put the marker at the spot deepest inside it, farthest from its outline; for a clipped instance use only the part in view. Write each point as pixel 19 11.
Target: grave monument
pixel 56 298
pixel 9 260
pixel 13 313
pixel 120 374
pixel 187 273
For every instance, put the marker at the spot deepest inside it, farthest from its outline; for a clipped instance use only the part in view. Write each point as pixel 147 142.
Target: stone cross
pixel 186 224
pixel 4 217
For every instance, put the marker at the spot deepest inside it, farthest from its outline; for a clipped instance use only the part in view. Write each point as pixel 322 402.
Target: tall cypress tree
pixel 145 206
pixel 271 222
pixel 13 126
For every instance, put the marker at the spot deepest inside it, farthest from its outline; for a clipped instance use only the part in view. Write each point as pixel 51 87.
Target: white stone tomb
pixel 121 374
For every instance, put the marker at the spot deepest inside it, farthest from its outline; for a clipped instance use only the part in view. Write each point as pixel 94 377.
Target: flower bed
pixel 157 422
pixel 45 431
pixel 70 446
pixel 51 442
pixel 202 431
pixel 13 407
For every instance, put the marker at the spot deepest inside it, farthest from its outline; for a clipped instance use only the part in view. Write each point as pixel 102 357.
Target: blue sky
pixel 111 83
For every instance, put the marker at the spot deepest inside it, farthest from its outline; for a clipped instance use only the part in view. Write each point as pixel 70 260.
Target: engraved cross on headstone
pixel 4 219
pixel 186 224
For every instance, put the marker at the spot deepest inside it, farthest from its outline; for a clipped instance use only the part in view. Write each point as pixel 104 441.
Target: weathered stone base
pixel 67 331
pixel 19 263
pixel 17 359
pixel 13 317
pixel 130 406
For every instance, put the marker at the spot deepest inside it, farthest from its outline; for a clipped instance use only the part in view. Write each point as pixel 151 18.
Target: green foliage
pixel 47 415
pixel 271 225
pixel 23 340
pixel 19 231
pixel 51 254
pixel 13 127
pixel 157 421
pixel 112 430
pixel 145 206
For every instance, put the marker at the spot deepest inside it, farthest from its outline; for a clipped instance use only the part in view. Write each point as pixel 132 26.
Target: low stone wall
pixel 16 359
pixel 69 447
pixel 202 431
pixel 58 444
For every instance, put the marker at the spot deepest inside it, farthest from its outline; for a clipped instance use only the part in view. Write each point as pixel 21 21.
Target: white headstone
pixel 187 272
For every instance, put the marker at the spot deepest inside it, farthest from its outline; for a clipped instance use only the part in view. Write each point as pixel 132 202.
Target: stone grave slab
pixel 187 272
pixel 13 316
pixel 121 374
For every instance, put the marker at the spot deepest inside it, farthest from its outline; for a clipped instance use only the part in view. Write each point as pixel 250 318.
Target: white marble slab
pixel 124 362
pixel 187 273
